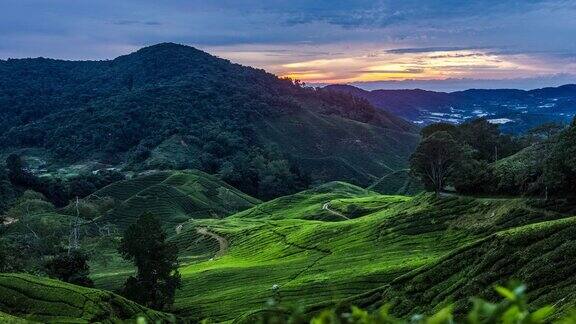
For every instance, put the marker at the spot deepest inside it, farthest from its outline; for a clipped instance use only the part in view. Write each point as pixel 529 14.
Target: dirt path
pixel 326 207
pixel 222 242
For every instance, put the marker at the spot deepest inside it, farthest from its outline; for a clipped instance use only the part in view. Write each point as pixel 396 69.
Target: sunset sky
pixel 444 45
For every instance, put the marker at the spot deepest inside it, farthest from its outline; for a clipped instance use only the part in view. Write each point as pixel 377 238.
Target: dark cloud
pixel 326 28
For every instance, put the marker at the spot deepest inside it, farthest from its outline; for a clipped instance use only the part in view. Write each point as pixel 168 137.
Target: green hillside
pixel 230 265
pixel 333 244
pixel 540 255
pixel 315 262
pixel 336 148
pixel 313 204
pixel 175 196
pixel 51 301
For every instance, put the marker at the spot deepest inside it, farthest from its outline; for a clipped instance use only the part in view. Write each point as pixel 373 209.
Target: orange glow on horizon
pixel 348 66
pixel 420 66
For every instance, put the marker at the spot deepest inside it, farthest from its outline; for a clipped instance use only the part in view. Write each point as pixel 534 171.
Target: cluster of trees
pixel 58 191
pixel 558 171
pixel 263 173
pixel 459 155
pixel 475 158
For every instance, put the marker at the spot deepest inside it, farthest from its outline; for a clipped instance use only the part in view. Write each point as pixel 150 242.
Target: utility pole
pixel 74 243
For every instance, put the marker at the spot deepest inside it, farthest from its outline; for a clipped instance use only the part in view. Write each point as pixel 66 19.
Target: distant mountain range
pixel 515 110
pixel 171 106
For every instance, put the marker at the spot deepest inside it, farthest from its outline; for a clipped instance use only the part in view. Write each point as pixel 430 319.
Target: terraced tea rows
pixel 51 301
pixel 540 255
pixel 307 204
pixel 174 196
pixel 316 262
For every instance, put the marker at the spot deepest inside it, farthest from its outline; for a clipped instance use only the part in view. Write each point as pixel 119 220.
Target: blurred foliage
pixel 511 309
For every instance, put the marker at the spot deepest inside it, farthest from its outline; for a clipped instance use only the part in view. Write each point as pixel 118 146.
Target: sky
pixel 438 45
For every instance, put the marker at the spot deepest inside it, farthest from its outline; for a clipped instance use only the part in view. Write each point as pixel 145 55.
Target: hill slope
pixel 230 265
pixel 397 183
pixel 538 254
pixel 313 204
pixel 174 196
pixel 51 301
pixel 172 106
pixel 318 262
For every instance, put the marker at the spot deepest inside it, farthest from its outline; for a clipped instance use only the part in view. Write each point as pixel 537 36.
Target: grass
pixel 51 301
pixel 175 196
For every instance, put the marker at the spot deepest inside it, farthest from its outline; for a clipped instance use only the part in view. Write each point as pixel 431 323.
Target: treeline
pixel 475 158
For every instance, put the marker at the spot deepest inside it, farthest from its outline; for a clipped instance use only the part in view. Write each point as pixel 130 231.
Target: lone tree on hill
pixel 157 277
pixel 435 159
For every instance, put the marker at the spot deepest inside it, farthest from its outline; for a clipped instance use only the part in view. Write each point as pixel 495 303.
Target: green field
pixel 380 254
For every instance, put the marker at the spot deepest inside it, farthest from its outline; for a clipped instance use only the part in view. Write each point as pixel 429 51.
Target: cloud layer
pixel 317 41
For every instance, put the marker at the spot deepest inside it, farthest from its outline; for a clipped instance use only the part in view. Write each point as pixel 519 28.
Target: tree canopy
pixel 435 159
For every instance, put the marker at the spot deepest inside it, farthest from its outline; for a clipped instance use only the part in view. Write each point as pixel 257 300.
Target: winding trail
pixel 326 207
pixel 222 242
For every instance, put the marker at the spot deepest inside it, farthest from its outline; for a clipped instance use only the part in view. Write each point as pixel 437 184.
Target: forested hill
pixel 171 106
